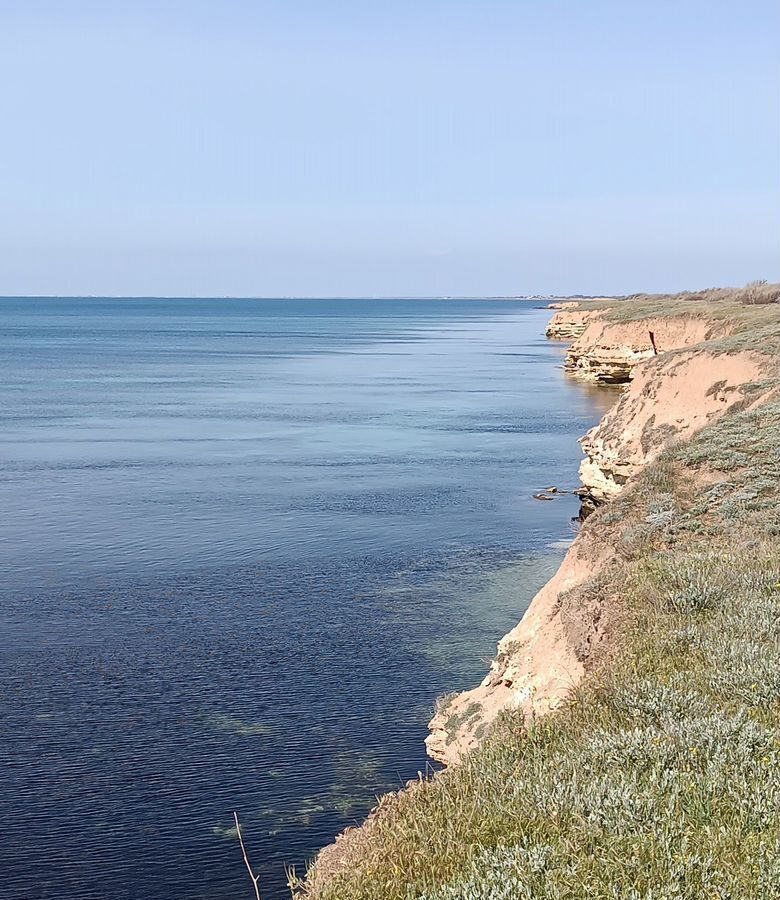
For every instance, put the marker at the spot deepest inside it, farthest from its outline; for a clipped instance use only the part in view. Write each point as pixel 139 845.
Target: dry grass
pixel 755 293
pixel 752 313
pixel 754 305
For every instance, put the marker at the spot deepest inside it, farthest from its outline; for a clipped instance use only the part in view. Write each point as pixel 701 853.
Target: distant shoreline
pixel 540 298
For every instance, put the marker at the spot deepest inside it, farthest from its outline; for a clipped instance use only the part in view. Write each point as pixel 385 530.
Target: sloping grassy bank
pixel 745 305
pixel 660 778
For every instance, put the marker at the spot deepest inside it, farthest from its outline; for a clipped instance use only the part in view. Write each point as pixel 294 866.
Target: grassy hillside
pixel 661 777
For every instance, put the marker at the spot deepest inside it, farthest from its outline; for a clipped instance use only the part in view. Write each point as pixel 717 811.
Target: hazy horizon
pixel 292 297
pixel 419 150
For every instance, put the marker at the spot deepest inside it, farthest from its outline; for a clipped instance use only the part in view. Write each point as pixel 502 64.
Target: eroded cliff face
pixel 671 396
pixel 538 662
pixel 608 352
pixel 569 322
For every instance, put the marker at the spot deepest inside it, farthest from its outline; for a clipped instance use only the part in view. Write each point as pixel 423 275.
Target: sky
pixel 405 148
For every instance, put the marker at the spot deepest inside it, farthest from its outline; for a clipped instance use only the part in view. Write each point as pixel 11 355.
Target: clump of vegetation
pixel 660 779
pixel 456 720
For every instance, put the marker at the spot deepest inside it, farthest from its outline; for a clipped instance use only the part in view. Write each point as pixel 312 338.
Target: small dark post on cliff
pixel 652 341
pixel 255 878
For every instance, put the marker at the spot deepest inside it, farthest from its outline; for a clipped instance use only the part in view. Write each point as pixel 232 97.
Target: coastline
pixel 666 396
pixel 681 370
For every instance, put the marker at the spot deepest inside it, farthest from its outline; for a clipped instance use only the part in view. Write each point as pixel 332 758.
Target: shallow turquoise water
pixel 245 544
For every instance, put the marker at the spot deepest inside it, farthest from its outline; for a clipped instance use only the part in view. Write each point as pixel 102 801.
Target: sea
pixel 244 545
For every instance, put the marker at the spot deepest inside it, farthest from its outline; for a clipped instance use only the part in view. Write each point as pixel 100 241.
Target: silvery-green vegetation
pixel 661 777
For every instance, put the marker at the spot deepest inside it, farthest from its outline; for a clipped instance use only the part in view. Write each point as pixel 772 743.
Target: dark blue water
pixel 244 545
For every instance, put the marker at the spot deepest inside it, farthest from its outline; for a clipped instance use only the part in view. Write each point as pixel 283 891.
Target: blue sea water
pixel 244 545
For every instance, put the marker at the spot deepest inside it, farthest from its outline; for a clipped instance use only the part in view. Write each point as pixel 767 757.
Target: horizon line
pixel 376 297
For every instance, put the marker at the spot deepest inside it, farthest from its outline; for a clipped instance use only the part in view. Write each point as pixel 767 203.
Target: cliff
pixel 670 396
pixel 569 322
pixel 538 662
pixel 608 352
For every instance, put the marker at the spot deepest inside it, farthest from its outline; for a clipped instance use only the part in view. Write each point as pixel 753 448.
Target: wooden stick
pixel 652 341
pixel 255 878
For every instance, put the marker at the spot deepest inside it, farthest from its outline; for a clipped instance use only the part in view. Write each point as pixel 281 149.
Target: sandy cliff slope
pixel 608 351
pixel 670 397
pixel 538 662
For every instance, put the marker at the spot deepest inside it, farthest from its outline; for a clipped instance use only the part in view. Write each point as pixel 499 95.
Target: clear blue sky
pixel 413 147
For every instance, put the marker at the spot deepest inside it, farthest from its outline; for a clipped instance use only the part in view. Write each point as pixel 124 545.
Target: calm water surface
pixel 244 545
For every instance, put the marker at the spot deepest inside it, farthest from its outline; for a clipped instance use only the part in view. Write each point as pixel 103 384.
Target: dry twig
pixel 255 878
